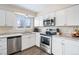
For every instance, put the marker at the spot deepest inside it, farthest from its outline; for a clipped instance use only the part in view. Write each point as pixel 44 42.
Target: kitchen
pixel 39 29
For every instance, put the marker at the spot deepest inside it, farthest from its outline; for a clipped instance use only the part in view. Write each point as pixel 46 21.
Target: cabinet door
pixel 2 18
pixel 73 15
pixel 32 40
pixel 3 46
pixel 60 18
pixel 10 19
pixel 36 22
pixel 25 42
pixel 52 15
pixel 57 46
pixel 71 49
pixel 41 20
pixel 28 41
pixel 38 39
pixel 57 50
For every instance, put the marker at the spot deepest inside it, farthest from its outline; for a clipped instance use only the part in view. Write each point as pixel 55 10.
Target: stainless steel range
pixel 46 41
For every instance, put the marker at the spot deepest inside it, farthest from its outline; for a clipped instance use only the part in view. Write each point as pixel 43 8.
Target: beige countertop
pixel 67 36
pixel 8 34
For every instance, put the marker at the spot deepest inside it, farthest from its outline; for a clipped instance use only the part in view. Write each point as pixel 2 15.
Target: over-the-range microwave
pixel 49 22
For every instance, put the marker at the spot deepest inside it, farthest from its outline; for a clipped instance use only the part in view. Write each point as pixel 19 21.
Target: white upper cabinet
pixel 52 15
pixel 2 17
pixel 7 18
pixel 73 15
pixel 61 18
pixel 68 16
pixel 10 19
pixel 38 21
pixel 41 18
pixel 41 22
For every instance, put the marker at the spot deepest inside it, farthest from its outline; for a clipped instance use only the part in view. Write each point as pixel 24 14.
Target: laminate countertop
pixel 9 34
pixel 68 37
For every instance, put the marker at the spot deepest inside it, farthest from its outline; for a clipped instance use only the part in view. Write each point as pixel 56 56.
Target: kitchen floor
pixel 32 51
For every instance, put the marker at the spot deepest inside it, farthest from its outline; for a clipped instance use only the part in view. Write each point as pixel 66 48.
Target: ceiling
pixel 43 7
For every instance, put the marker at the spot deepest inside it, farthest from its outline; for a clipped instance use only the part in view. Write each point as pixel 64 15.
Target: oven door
pixel 45 40
pixel 46 44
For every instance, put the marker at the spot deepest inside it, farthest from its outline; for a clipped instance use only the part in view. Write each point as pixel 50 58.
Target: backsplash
pixel 67 29
pixel 63 29
pixel 43 29
pixel 6 29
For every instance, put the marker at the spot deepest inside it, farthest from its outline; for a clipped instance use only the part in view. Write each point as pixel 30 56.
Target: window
pixel 23 21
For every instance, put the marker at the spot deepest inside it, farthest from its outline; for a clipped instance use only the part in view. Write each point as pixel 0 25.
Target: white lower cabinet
pixel 71 50
pixel 71 47
pixel 57 46
pixel 32 40
pixel 65 46
pixel 38 39
pixel 28 40
pixel 3 46
pixel 57 50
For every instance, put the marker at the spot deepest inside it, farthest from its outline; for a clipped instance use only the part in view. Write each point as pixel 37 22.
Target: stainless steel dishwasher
pixel 13 44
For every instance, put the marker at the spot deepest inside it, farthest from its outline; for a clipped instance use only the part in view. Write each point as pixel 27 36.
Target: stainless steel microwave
pixel 49 22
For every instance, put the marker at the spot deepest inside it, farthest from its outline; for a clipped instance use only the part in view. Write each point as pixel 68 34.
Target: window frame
pixel 30 21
